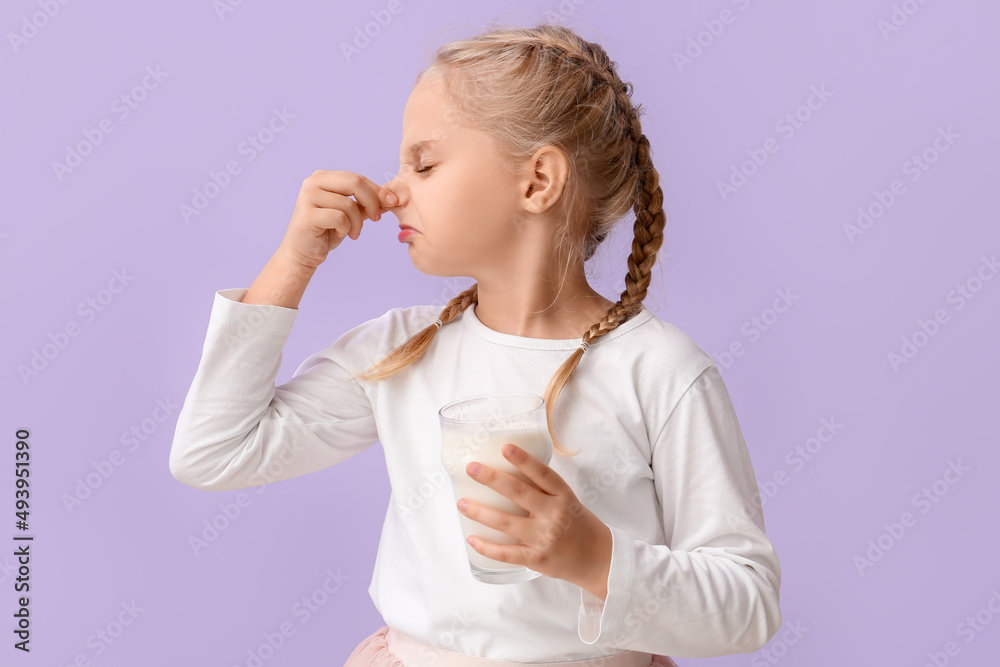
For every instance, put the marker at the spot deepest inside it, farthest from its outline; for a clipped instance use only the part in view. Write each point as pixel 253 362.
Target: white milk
pixel 461 446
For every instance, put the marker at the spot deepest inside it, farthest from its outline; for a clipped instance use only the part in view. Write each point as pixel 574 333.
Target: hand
pixel 325 213
pixel 559 538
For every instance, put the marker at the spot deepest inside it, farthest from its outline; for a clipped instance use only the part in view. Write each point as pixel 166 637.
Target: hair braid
pixel 414 348
pixel 650 221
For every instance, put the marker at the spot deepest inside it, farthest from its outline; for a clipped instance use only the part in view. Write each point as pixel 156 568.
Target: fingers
pixel 509 524
pixel 367 192
pixel 524 493
pixel 348 183
pixel 541 474
pixel 335 211
pixel 386 200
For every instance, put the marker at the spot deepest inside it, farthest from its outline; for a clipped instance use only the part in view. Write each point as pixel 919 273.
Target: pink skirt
pixel 390 648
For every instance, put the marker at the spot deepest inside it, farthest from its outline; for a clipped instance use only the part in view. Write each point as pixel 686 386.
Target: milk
pixel 462 444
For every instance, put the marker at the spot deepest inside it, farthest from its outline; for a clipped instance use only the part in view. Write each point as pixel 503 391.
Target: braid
pixel 650 219
pixel 415 347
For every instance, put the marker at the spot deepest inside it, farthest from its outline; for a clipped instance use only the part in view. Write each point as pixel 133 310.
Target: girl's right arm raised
pixel 237 429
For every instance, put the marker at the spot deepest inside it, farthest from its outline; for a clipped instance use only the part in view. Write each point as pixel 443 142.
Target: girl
pixel 521 148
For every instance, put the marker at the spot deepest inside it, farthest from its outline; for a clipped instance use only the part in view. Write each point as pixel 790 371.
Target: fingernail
pixel 474 468
pixel 391 199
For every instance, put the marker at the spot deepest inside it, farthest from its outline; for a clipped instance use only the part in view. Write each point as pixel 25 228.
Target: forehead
pixel 427 118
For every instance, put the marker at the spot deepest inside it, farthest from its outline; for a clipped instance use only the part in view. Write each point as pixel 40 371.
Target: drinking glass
pixel 476 429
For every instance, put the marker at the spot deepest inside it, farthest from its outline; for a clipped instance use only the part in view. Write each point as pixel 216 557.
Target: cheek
pixel 447 205
pixel 463 206
pixel 475 198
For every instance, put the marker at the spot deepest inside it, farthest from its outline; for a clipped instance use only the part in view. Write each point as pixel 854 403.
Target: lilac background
pixel 723 263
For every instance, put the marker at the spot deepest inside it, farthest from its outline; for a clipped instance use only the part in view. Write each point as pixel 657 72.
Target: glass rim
pixel 538 403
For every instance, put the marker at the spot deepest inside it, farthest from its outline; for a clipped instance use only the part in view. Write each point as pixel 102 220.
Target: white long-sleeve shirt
pixel 663 463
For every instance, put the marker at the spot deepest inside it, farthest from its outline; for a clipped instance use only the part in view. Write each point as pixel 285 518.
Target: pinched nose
pixel 387 198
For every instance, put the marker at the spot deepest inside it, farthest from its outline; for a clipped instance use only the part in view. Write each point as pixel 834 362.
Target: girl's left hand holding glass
pixel 559 538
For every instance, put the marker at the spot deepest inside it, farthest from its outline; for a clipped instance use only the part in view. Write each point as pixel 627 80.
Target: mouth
pixel 405 232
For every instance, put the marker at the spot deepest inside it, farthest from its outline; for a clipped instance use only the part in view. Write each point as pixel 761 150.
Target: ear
pixel 547 172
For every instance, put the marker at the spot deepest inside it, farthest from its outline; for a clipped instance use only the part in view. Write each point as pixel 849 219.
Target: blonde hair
pixel 532 87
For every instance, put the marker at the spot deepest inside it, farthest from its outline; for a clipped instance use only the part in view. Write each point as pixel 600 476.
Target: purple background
pixel 723 263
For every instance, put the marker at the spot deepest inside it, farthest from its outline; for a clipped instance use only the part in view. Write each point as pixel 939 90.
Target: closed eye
pixel 423 170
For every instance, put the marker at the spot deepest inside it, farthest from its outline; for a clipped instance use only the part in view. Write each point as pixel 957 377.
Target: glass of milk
pixel 476 429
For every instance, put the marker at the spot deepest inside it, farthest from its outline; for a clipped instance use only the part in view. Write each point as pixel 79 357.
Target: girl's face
pixel 452 190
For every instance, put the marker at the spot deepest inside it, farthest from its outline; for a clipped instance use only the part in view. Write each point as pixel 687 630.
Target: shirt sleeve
pixel 236 429
pixel 713 589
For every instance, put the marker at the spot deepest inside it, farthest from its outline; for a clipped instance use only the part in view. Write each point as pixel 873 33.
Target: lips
pixel 402 227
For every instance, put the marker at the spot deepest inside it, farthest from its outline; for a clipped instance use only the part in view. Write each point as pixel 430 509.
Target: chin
pixel 437 271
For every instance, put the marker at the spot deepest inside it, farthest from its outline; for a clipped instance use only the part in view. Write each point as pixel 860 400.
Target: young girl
pixel 521 148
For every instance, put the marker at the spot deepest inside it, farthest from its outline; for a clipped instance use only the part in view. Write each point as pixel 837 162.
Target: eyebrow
pixel 417 148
